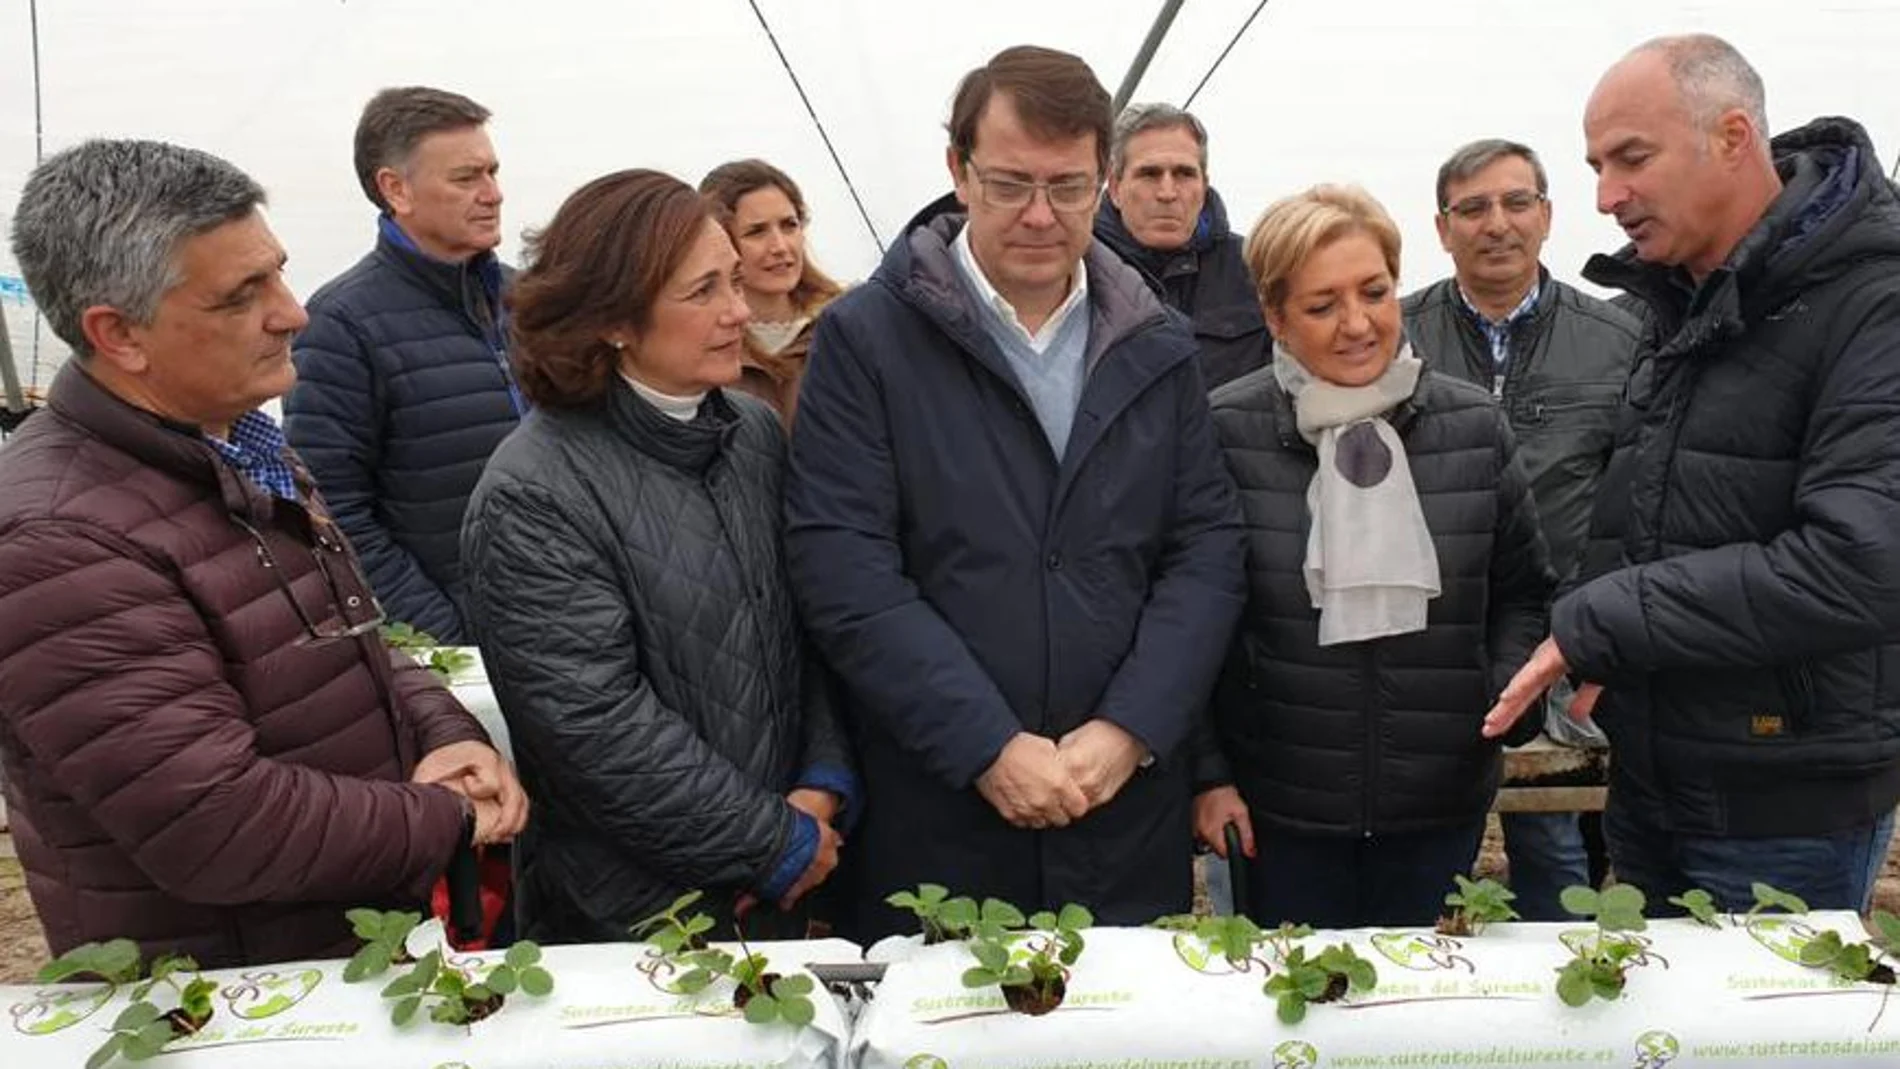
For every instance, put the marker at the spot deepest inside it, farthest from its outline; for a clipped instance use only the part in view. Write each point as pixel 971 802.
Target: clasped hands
pixel 476 772
pixel 1037 782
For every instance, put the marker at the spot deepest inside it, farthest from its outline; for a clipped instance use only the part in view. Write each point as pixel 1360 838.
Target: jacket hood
pixel 1836 210
pixel 921 268
pixel 1113 231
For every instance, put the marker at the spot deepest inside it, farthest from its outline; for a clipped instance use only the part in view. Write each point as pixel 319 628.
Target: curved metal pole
pixel 1163 20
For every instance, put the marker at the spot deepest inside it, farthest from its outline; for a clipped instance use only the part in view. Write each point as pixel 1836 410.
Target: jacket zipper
pixel 1366 795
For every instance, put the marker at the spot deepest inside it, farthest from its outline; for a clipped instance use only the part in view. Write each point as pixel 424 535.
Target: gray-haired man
pixel 206 746
pixel 404 386
pixel 1163 218
pixel 1556 360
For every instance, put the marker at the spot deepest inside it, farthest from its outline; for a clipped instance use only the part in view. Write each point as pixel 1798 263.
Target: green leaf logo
pixel 267 993
pixel 1655 1049
pixel 1294 1054
pixel 1193 952
pixel 56 1009
pixel 925 1061
pixel 1783 935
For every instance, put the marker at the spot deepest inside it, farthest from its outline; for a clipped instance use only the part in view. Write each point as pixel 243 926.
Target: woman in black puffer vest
pixel 1396 581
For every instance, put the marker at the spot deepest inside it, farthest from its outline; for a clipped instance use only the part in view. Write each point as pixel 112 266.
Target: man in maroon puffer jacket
pixel 207 747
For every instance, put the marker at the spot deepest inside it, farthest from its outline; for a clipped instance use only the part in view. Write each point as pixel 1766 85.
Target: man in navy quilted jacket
pixel 403 382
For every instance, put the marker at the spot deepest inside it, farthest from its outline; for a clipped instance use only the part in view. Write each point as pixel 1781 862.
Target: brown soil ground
pixel 23 950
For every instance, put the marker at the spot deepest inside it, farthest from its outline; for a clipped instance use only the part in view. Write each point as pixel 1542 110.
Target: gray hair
pixel 395 121
pixel 1712 77
pixel 1478 155
pixel 101 224
pixel 1141 118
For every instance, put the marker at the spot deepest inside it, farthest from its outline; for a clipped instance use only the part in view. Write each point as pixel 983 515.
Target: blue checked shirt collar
pixel 255 450
pixel 1498 332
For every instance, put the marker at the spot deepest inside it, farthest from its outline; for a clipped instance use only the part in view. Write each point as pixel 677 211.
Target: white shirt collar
pixel 683 409
pixel 1041 339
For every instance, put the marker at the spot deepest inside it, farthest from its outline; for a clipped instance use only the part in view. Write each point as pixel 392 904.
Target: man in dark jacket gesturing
pixel 1740 629
pixel 403 384
pixel 207 747
pixel 1010 531
pixel 1556 360
pixel 1163 218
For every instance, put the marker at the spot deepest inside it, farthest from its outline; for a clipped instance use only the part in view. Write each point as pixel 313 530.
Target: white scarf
pixel 1370 564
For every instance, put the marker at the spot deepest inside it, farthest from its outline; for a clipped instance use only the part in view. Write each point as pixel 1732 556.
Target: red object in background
pixel 490 880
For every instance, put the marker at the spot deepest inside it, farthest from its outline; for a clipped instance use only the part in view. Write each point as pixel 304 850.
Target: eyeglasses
pixel 1065 194
pixel 1516 202
pixel 334 627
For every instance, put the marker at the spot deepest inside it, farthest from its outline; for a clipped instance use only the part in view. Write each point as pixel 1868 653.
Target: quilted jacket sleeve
pixel 1196 593
pixel 434 717
pixel 1822 586
pixel 333 418
pixel 558 637
pixel 114 688
pixel 903 663
pixel 1521 579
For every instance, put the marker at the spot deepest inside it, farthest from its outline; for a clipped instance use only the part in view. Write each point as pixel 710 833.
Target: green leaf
pixel 1362 976
pixel 795 984
pixel 371 961
pixel 366 923
pixel 992 956
pixel 1002 914
pixel 1075 918
pixel 1888 927
pixel 1579 900
pixel 106 1052
pixel 428 968
pixel 1698 903
pixel 500 980
pixel 149 1041
pixel 405 1011
pixel 958 915
pixel 797 1011
pixel 1311 982
pixel 406 984
pixel 522 955
pixel 1768 895
pixel 761 1009
pixel 1573 984
pixel 978 976
pixel 1291 1008
pixel 449 1011
pixel 1607 987
pixel 905 900
pixel 698 924
pixel 476 994
pixel 195 1000
pixel 135 1017
pixel 1043 920
pixel 1822 949
pixel 536 981
pixel 1621 898
pixel 932 893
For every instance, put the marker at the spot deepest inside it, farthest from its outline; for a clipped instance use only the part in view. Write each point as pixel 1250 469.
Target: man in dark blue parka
pixel 403 384
pixel 1010 530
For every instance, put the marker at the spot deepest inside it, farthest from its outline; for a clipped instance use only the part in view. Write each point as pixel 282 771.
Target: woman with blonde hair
pixel 1396 581
pixel 765 215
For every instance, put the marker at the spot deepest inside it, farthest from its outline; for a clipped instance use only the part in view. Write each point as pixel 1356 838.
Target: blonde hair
pixel 1295 227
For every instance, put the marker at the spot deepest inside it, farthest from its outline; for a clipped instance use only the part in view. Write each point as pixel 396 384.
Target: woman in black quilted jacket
pixel 1396 580
pixel 627 585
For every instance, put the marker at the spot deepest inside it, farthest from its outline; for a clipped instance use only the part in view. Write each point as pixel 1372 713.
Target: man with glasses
pixel 1165 220
pixel 206 746
pixel 1555 359
pixel 1010 531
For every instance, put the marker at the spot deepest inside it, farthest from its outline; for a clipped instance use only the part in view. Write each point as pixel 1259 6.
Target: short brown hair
pixel 725 185
pixel 395 121
pixel 1295 227
pixel 596 268
pixel 1055 93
